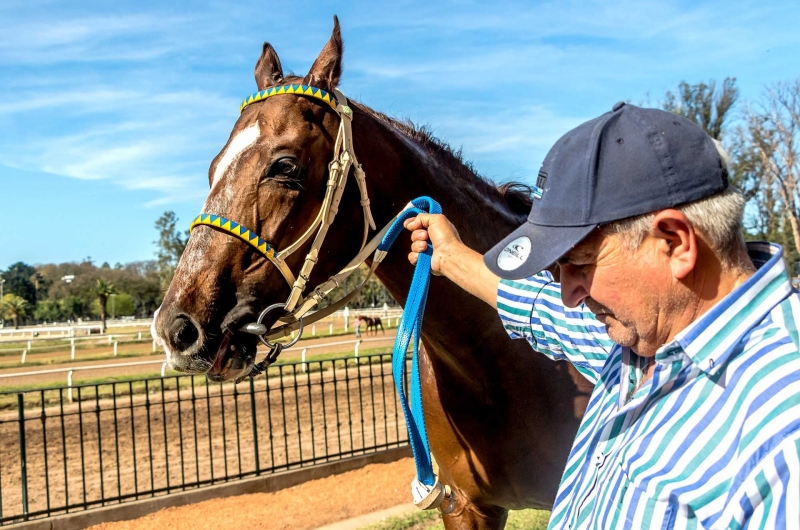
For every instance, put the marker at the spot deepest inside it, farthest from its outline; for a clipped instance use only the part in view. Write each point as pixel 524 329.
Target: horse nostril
pixel 183 333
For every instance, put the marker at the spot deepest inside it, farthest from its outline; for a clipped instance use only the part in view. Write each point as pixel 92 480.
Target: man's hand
pixel 439 231
pixel 451 257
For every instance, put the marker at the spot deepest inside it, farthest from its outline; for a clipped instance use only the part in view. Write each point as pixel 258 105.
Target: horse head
pixel 271 178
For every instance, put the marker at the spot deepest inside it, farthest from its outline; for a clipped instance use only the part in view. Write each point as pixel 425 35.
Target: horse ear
pixel 327 69
pixel 268 68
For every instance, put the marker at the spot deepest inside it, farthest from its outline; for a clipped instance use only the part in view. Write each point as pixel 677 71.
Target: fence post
pixel 72 348
pixel 302 360
pixel 154 345
pixel 115 348
pixel 24 353
pixel 163 369
pixel 22 456
pixel 330 330
pixel 140 335
pixel 29 345
pixel 110 338
pixel 314 330
pixel 69 386
pixel 255 425
pixel 358 343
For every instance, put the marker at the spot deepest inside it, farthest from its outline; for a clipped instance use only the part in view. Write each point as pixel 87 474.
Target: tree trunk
pixel 102 301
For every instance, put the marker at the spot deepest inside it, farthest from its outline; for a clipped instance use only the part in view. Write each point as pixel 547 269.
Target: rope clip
pixel 437 496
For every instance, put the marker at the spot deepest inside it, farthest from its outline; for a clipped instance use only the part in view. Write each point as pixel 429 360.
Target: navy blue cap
pixel 627 162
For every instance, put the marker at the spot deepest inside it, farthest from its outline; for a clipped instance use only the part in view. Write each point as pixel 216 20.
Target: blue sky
pixel 110 112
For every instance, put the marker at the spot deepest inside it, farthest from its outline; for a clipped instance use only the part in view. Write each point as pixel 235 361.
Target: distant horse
pixel 500 418
pixel 373 324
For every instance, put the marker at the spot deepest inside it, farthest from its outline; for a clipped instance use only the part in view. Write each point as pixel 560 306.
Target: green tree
pixel 19 281
pixel 120 305
pixel 170 245
pixel 48 310
pixel 704 104
pixel 103 290
pixel 71 306
pixel 14 307
pixel 123 305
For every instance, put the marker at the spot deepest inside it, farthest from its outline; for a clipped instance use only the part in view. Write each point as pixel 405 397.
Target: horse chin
pixel 234 359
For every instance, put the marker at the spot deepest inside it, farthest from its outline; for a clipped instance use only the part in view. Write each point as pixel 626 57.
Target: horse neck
pixel 399 169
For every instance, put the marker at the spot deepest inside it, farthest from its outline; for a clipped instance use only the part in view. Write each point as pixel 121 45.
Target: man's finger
pixel 419 235
pixel 419 246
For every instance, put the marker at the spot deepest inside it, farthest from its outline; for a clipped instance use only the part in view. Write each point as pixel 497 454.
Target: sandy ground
pixel 309 505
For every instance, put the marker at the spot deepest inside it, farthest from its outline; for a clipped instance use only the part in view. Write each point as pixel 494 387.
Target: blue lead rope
pixel 410 327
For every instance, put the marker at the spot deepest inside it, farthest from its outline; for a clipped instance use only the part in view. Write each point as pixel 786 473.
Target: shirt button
pixel 598 459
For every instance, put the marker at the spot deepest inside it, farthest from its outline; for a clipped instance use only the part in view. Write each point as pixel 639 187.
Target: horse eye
pixel 285 166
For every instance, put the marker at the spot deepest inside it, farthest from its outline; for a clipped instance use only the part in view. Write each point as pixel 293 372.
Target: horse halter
pixel 344 158
pixel 428 491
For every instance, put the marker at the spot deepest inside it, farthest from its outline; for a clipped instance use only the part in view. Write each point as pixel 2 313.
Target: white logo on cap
pixel 515 254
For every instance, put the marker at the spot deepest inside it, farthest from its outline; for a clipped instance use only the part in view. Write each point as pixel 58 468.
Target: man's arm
pixel 452 258
pixel 531 309
pixel 768 496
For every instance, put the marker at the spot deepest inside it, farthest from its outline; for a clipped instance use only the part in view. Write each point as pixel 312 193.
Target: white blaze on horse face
pixel 218 202
pixel 240 142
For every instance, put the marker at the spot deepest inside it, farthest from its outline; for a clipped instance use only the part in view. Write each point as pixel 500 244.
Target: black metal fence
pixel 65 450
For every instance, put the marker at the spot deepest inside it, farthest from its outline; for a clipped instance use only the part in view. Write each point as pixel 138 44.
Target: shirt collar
pixel 710 340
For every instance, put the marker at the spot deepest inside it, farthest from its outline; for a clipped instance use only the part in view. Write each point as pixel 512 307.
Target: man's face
pixel 628 291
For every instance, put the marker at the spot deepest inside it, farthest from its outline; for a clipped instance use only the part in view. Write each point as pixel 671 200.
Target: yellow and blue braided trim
pixel 235 229
pixel 300 90
pixel 226 225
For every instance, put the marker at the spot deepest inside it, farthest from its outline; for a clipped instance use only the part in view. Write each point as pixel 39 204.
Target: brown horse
pixel 373 323
pixel 500 418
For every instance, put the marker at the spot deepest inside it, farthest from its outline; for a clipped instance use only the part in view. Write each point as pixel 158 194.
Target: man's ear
pixel 677 240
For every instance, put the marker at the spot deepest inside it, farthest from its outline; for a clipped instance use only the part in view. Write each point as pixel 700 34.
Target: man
pixel 689 335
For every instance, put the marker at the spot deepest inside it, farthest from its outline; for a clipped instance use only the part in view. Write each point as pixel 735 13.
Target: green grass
pixel 432 520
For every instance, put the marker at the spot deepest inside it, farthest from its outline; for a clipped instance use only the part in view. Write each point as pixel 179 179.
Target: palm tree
pixel 14 307
pixel 103 290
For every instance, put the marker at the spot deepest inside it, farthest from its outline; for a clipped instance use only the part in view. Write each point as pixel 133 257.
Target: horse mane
pixel 518 196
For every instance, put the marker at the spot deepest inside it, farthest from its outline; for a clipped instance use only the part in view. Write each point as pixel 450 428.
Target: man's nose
pixel 573 289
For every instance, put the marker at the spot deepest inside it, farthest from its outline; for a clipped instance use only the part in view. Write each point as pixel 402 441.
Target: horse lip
pixel 222 351
pixel 230 363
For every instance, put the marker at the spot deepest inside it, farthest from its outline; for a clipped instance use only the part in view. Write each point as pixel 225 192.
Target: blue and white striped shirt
pixel 712 440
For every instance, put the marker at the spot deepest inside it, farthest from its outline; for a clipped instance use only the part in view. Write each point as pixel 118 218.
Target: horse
pixel 500 418
pixel 373 324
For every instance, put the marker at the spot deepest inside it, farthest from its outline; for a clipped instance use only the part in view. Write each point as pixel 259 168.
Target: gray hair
pixel 718 218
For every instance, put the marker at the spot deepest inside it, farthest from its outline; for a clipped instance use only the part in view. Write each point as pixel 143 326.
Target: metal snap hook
pixel 273 344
